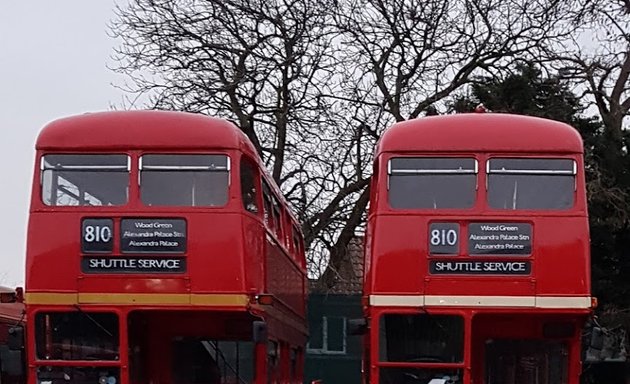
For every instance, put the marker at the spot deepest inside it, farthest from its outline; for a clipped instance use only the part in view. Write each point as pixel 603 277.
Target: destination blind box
pixel 153 236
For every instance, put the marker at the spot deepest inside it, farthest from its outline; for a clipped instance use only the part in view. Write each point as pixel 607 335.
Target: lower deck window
pixel 235 359
pixel 163 348
pixel 526 362
pixel 77 336
pixel 422 338
pixel 194 361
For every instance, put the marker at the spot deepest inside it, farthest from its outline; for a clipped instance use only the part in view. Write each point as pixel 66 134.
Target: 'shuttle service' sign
pixel 445 267
pixel 158 264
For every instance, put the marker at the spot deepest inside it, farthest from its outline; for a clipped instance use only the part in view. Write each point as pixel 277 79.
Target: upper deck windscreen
pixel 184 180
pixel 199 180
pixel 79 180
pixel 432 183
pixel 544 184
pixel 452 183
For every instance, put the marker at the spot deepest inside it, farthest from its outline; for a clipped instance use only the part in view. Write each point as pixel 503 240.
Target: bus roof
pixel 141 130
pixel 147 130
pixel 480 132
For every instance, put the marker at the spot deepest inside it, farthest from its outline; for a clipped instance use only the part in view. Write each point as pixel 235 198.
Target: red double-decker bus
pixel 477 258
pixel 159 251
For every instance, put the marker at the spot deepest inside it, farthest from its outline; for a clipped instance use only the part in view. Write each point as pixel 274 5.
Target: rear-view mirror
pixel 357 326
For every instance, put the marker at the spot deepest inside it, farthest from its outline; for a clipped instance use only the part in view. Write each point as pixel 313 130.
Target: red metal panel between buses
pixel 477 262
pixel 160 251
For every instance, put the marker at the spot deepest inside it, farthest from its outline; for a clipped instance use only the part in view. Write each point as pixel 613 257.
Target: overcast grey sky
pixel 53 57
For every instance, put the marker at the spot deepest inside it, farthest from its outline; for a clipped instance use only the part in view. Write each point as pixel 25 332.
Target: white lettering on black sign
pixel 97 235
pixel 480 267
pixel 153 236
pixel 444 238
pixel 133 265
pixel 499 239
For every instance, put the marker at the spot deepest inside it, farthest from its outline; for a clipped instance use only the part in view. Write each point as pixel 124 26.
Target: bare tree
pixel 398 59
pixel 314 84
pixel 599 59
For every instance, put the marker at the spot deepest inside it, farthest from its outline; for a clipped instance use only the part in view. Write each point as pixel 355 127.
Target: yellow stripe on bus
pixel 212 299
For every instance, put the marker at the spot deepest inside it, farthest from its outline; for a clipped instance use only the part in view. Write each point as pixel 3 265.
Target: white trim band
pixel 571 302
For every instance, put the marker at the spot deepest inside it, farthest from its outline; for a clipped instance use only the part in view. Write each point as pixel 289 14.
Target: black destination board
pixel 475 267
pixel 499 239
pixel 133 264
pixel 153 236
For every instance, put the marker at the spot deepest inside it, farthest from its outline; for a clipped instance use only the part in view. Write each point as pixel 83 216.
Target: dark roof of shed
pixel 348 280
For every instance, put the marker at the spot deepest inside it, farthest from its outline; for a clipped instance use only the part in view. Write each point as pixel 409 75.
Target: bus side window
pixel 249 182
pixel 272 362
pixel 267 206
pixel 296 244
pixel 286 226
pixel 277 218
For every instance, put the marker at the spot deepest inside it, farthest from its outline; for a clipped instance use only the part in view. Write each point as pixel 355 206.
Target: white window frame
pixel 324 349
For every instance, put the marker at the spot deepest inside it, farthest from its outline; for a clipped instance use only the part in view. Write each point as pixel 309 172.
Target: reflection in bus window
pixel 193 364
pixel 212 361
pixel 267 205
pixel 78 375
pixel 421 338
pixel 184 180
pixel 526 361
pixel 76 180
pixel 273 359
pixel 249 180
pixel 531 183
pixel 76 336
pixel 296 242
pixel 412 375
pixel 234 358
pixel 293 361
pixel 432 183
pixel 277 218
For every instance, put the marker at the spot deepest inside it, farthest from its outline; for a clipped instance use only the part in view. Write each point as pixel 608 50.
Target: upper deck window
pixel 531 183
pixel 249 181
pixel 78 180
pixel 184 180
pixel 432 183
